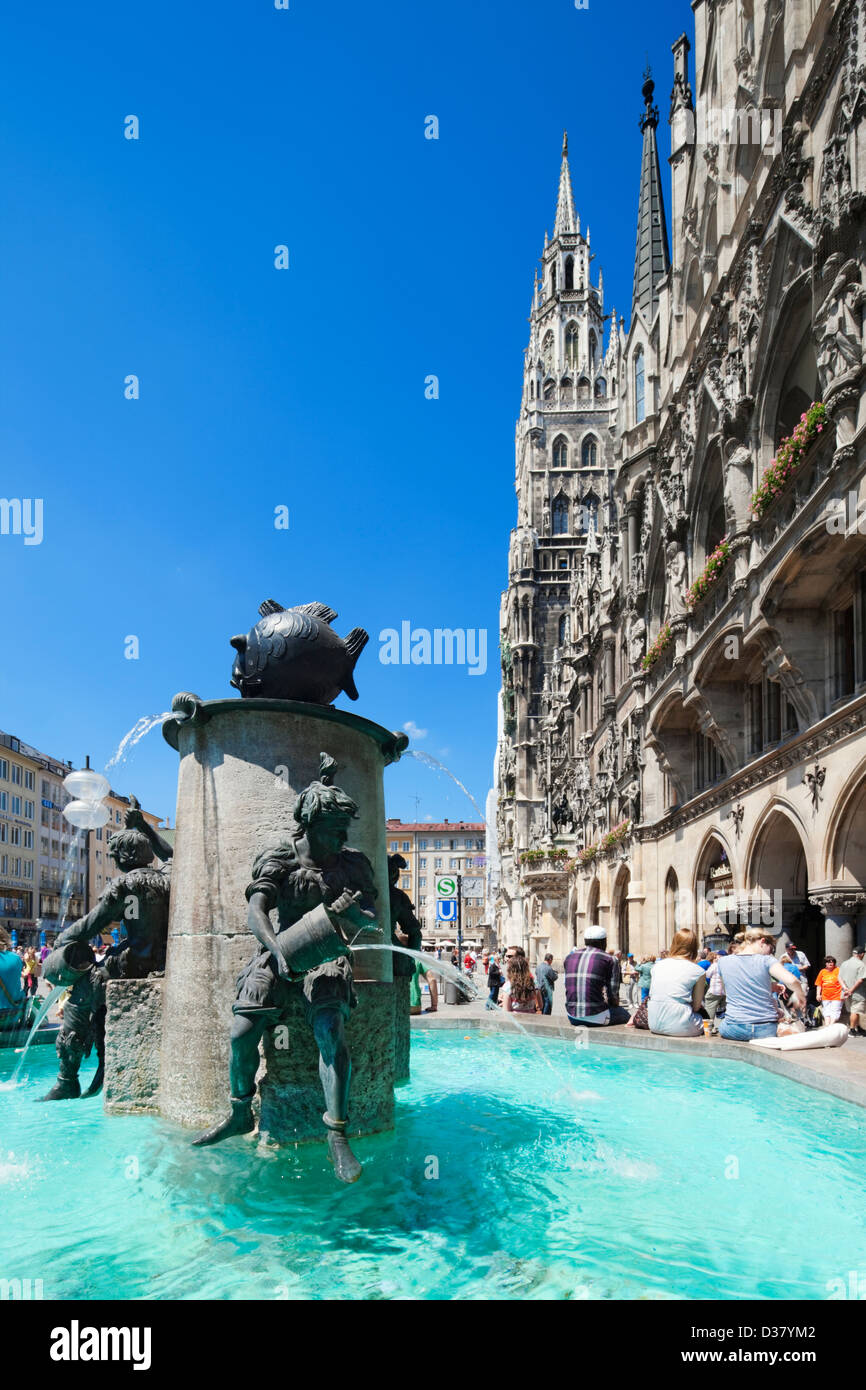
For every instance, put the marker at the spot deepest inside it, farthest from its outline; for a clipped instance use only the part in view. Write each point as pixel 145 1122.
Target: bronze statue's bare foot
pixel 240 1121
pixel 346 1165
pixel 63 1090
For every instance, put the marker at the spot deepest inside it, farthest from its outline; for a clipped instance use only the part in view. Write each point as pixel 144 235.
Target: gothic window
pixel 709 766
pixel 560 517
pixel 563 629
pixel 583 389
pixel 711 235
pixel 547 351
pixel 593 345
pixel 589 454
pixel 560 452
pixel 843 652
pixel 548 390
pixel 553 278
pixel 589 512
pixel 747 139
pixel 799 388
pixel 569 273
pixel 639 388
pixel 708 516
pixel 565 387
pixel 770 714
pixel 774 79
pixel 694 294
pixel 571 345
pixel 600 388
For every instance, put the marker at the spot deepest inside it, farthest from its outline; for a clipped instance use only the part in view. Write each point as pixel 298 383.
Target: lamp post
pixel 87 810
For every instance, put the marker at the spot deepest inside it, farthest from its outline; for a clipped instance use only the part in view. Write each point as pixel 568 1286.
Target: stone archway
pixel 715 896
pixel 843 898
pixel 848 851
pixel 672 906
pixel 619 910
pixel 778 883
pixel 592 905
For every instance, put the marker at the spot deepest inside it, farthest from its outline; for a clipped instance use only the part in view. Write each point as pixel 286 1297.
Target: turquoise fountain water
pixel 494 1184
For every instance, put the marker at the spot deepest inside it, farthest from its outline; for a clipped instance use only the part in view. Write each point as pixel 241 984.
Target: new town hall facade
pixel 683 713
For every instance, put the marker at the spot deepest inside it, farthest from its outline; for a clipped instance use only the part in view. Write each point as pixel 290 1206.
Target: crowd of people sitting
pixel 745 992
pixel 740 993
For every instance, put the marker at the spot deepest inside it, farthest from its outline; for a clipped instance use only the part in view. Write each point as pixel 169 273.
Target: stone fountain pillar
pixel 242 765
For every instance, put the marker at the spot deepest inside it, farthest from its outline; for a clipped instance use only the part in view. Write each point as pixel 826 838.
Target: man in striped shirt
pixel 592 981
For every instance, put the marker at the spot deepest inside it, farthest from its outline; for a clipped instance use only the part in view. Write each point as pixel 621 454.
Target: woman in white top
pixel 677 989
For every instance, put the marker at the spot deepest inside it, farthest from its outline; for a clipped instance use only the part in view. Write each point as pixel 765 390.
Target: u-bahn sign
pixel 446 910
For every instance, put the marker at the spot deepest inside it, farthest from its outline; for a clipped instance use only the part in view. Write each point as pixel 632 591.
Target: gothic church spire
pixel 651 258
pixel 566 221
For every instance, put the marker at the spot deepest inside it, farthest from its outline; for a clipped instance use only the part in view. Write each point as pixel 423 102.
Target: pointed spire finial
pixel 650 114
pixel 565 215
pixel 652 260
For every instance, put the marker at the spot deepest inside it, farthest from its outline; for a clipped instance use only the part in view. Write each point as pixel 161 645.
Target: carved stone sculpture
pixel 839 324
pixel 677 580
pixel 636 640
pixel 738 489
pixel 139 898
pixel 324 897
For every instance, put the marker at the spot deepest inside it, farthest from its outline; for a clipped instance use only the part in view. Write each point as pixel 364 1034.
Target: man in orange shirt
pixel 829 988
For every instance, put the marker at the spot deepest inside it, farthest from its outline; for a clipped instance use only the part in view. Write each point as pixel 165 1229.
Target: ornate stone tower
pixel 562 549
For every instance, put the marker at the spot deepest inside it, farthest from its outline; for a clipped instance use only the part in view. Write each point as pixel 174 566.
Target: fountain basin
pixel 498 1183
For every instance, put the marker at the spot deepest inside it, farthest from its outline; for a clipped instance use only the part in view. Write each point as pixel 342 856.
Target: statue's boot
pixel 70 1051
pixel 64 1088
pixel 240 1121
pixel 96 1084
pixel 346 1165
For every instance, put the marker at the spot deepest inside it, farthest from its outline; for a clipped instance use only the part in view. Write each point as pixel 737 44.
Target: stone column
pixel 242 765
pixel 841 908
pixel 631 512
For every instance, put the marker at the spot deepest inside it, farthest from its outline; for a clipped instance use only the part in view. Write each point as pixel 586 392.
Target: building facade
pixel 43 859
pixel 434 850
pixel 683 723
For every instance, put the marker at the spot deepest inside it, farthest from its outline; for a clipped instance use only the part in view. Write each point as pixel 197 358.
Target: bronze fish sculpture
pixel 293 654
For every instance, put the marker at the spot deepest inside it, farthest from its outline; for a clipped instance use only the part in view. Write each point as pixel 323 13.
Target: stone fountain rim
pixel 391 743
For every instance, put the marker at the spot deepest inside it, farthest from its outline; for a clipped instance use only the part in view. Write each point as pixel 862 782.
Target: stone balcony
pixel 799 490
pixel 547 874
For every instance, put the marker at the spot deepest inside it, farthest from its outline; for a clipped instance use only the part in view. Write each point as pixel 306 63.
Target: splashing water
pixel 141 727
pixel 12 1168
pixel 435 764
pixel 450 972
pixel 43 1012
pixel 438 967
pixel 76 851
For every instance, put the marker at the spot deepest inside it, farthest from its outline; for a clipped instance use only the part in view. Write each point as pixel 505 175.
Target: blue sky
pixel 304 387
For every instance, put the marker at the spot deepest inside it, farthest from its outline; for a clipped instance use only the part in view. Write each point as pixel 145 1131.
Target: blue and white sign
pixel 446 910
